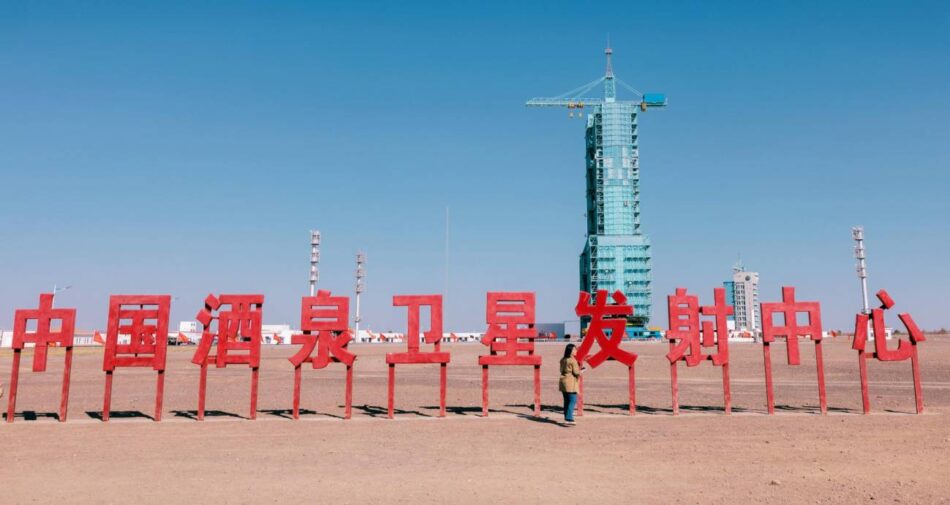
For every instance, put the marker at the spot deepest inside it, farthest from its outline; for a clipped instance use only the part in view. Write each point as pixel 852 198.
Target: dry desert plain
pixel 700 456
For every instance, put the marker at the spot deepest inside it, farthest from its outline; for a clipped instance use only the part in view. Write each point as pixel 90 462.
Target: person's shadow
pixel 553 409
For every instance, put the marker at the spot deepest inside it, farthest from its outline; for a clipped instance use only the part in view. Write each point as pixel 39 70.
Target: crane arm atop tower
pixel 572 98
pixel 582 90
pixel 648 99
pixel 564 102
pixel 575 98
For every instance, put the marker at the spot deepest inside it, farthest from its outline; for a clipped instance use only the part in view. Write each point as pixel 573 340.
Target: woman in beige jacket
pixel 570 372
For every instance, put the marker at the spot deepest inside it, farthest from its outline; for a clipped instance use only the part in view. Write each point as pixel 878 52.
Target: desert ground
pixel 699 456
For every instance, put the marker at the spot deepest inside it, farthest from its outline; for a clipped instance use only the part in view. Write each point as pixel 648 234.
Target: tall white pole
pixel 314 259
pixel 857 233
pixel 360 274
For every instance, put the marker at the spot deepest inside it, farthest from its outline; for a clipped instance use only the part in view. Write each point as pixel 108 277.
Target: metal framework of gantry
pixel 616 254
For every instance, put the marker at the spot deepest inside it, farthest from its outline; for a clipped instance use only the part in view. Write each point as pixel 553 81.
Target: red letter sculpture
pixel 237 329
pixel 684 312
pixel 610 318
pixel 323 319
pixel 43 337
pixel 904 349
pixel 414 356
pixel 510 318
pixel 790 330
pixel 144 319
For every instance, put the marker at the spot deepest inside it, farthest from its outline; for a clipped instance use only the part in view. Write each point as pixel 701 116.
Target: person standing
pixel 570 372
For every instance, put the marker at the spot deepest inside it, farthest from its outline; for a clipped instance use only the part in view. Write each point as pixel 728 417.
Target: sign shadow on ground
pixel 377 411
pixel 30 415
pixel 193 414
pixel 119 414
pixel 289 413
pixel 812 409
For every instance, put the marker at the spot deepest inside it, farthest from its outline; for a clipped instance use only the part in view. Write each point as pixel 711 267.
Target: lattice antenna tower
pixel 857 233
pixel 360 286
pixel 314 260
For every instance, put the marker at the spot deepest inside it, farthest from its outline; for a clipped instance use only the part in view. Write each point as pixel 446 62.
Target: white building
pixel 743 294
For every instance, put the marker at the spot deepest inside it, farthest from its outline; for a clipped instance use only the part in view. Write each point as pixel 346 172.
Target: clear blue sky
pixel 173 148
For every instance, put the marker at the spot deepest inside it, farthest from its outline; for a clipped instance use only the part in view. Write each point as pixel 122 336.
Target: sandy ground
pixel 700 456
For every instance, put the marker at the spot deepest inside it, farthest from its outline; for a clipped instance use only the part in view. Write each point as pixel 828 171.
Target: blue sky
pixel 187 148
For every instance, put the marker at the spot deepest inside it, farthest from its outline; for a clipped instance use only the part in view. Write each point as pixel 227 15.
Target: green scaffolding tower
pixel 616 255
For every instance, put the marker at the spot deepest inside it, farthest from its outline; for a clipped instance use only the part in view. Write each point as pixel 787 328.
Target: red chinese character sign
pixel 906 349
pixel 608 325
pixel 790 330
pixel 237 330
pixel 414 303
pixel 686 328
pixel 144 320
pixel 42 337
pixel 323 319
pixel 510 339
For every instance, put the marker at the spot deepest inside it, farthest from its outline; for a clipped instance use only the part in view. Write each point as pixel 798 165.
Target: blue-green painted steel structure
pixel 617 254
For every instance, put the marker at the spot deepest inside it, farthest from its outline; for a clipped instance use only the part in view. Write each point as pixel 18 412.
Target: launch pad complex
pixel 616 254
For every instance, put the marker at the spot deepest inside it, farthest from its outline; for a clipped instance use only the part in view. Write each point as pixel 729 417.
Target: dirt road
pixel 700 456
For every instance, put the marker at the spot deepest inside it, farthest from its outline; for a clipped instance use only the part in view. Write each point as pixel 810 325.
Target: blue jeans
pixel 570 401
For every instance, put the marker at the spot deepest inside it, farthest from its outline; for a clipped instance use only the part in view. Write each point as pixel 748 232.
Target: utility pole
pixel 314 259
pixel 360 275
pixel 857 233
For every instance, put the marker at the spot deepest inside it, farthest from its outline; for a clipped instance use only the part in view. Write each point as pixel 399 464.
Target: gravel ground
pixel 700 456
